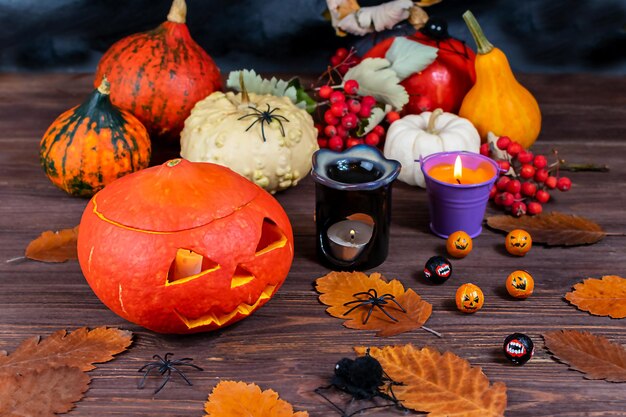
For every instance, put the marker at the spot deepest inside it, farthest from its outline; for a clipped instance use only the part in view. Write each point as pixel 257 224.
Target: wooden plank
pixel 291 345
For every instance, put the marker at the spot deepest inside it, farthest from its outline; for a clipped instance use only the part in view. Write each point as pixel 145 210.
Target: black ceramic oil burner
pixel 353 206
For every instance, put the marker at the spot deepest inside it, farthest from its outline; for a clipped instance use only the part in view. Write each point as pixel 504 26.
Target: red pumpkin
pixel 444 83
pixel 159 75
pixel 137 234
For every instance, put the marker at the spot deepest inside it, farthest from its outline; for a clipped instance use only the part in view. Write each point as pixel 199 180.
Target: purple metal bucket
pixel 457 207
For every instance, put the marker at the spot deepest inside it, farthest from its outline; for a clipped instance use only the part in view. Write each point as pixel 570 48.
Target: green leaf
pixel 304 100
pixel 258 85
pixel 376 78
pixel 408 57
pixel 377 116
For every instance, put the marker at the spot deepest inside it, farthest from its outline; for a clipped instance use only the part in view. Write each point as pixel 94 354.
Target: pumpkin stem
pixel 482 44
pixel 432 119
pixel 105 86
pixel 245 99
pixel 178 12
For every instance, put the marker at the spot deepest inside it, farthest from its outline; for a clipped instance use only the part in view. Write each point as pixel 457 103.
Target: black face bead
pixel 437 270
pixel 436 28
pixel 518 348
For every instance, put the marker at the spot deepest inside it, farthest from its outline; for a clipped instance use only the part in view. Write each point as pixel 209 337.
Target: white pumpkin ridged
pixel 214 133
pixel 411 137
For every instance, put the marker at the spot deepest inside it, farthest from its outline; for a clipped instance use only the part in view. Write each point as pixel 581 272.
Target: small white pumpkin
pixel 420 135
pixel 227 130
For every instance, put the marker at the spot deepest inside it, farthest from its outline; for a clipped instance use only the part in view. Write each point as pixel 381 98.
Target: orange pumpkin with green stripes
pixel 91 145
pixel 159 75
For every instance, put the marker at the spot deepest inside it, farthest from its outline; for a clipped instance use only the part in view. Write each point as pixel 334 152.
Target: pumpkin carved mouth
pixel 220 320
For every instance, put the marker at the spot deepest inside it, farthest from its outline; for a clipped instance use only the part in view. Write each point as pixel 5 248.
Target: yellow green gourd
pixel 498 102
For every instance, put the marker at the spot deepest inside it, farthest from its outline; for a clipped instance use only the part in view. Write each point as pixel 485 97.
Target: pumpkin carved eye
pixel 189 265
pixel 271 238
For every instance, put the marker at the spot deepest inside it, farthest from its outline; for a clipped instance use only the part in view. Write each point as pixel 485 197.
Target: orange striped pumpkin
pixel 90 145
pixel 159 75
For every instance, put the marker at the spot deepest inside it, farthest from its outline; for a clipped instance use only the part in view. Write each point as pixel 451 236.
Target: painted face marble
pixel 518 348
pixel 437 270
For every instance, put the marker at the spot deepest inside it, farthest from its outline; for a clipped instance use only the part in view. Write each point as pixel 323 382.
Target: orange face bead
pixel 469 298
pixel 518 242
pixel 520 284
pixel 459 244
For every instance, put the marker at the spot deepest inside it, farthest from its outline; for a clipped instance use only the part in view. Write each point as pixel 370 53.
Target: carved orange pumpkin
pixel 459 244
pixel 520 284
pixel 469 298
pixel 184 247
pixel 518 242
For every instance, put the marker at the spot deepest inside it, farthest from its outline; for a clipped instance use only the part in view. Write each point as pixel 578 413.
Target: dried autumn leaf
pixel 81 348
pixel 601 297
pixel 553 229
pixel 595 356
pixel 338 288
pixel 442 385
pixel 54 246
pixel 42 393
pixel 238 399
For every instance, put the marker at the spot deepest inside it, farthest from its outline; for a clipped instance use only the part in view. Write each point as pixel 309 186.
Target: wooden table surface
pixel 291 344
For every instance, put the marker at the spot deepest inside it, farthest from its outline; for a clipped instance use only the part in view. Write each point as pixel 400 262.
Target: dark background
pixel 292 35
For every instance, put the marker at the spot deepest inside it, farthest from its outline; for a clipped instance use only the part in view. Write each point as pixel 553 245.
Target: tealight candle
pixel 458 174
pixel 187 263
pixel 458 185
pixel 348 238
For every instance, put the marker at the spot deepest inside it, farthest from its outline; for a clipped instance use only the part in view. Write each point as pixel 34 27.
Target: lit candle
pixel 187 263
pixel 458 185
pixel 458 174
pixel 348 238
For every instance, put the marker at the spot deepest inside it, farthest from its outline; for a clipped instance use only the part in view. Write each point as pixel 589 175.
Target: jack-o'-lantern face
pixel 520 284
pixel 184 247
pixel 518 242
pixel 459 244
pixel 469 298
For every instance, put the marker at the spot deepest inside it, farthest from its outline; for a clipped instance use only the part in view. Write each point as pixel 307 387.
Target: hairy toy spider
pixel 165 367
pixel 372 300
pixel 266 116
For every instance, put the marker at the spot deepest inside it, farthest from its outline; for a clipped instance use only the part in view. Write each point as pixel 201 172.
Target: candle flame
pixel 352 234
pixel 458 169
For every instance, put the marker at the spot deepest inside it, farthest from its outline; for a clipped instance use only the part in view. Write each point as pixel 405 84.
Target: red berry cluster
pixel 343 60
pixel 343 112
pixel 525 187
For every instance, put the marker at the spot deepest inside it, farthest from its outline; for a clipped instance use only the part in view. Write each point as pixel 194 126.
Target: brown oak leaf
pixel 81 349
pixel 595 356
pixel 42 393
pixel 54 246
pixel 601 297
pixel 440 385
pixel 338 288
pixel 238 399
pixel 553 229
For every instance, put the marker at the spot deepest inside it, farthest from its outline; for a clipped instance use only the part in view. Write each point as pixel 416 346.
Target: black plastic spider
pixel 165 367
pixel 266 117
pixel 373 300
pixel 362 378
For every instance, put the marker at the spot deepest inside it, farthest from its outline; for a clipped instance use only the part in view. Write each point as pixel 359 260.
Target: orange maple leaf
pixel 238 399
pixel 54 246
pixel 339 288
pixel 441 385
pixel 595 356
pixel 601 297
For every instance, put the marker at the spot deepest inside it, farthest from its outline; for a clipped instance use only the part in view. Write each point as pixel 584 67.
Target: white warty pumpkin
pixel 420 135
pixel 274 154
